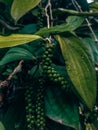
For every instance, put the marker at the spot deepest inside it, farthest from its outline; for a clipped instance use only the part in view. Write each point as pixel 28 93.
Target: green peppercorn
pixel 30 117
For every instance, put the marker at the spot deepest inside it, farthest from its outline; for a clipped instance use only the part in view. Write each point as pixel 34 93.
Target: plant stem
pixel 49 16
pixel 75 3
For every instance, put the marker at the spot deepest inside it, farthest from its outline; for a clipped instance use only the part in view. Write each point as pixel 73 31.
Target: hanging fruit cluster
pixel 35 108
pixel 30 117
pixel 35 111
pixel 49 71
pixel 40 106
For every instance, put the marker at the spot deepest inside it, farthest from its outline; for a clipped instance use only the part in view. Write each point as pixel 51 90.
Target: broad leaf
pixel 16 54
pixel 61 108
pixel 27 47
pixel 20 7
pixel 16 39
pixel 79 67
pixel 1 126
pixel 73 22
pixel 92 47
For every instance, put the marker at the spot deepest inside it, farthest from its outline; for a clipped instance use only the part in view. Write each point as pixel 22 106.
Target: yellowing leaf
pixel 20 7
pixel 17 39
pixel 80 68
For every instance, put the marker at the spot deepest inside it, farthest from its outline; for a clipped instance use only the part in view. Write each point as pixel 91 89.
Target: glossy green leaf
pixel 17 39
pixel 27 47
pixel 73 22
pixel 76 20
pixel 1 126
pixel 92 47
pixel 80 68
pixel 61 108
pixel 20 7
pixel 16 54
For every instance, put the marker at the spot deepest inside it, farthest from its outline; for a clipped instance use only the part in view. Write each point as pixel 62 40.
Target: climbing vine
pixel 48 65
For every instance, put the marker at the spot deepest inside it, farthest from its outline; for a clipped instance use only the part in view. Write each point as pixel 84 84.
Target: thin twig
pixel 89 25
pixel 8 26
pixel 15 71
pixel 76 13
pixel 49 16
pixel 76 5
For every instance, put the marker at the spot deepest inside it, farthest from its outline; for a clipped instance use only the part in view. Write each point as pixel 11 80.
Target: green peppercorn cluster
pixel 47 56
pixel 57 78
pixel 40 110
pixel 35 107
pixel 49 71
pixel 30 117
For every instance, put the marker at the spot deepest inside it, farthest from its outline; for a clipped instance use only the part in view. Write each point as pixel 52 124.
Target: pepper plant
pixel 48 65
